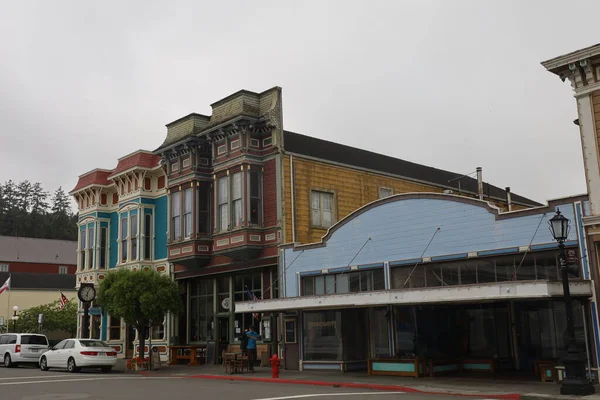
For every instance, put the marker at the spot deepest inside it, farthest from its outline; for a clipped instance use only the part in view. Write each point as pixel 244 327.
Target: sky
pixel 450 84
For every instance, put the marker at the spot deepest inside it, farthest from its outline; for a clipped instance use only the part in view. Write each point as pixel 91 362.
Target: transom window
pixel 322 209
pixel 349 282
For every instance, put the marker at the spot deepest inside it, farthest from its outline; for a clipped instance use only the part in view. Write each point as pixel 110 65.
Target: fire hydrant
pixel 275 362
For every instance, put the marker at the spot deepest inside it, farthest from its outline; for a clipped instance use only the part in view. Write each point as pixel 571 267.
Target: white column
pixel 589 146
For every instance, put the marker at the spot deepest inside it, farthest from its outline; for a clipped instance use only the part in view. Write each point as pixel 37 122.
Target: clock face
pixel 87 293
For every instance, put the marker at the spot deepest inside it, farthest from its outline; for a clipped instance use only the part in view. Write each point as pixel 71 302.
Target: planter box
pixel 414 367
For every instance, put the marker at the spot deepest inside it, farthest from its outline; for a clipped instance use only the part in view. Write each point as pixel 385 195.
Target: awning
pixel 449 294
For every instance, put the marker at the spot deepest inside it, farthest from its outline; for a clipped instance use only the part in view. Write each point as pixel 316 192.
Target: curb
pixel 350 385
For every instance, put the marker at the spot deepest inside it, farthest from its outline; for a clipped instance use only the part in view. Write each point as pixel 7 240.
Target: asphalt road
pixel 32 384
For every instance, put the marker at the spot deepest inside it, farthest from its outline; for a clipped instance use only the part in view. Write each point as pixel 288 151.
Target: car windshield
pixel 93 343
pixel 34 339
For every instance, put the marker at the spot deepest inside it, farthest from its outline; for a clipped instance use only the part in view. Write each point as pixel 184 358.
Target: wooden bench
pixel 193 354
pixel 262 352
pixel 441 367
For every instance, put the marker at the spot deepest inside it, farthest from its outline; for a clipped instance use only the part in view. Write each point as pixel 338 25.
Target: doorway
pixel 222 334
pixel 291 350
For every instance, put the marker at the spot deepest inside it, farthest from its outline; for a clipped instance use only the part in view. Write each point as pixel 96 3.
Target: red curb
pixel 350 385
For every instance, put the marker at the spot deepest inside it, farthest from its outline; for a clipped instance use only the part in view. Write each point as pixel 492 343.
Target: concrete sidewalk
pixel 464 385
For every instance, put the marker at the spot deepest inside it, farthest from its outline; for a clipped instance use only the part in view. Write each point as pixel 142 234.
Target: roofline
pixel 114 175
pixel 573 56
pixel 72 192
pixel 170 124
pixel 95 170
pixel 33 238
pixel 133 153
pixel 229 97
pixel 324 160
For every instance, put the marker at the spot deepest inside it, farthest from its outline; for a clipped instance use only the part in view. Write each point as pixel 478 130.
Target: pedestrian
pixel 251 347
pixel 244 341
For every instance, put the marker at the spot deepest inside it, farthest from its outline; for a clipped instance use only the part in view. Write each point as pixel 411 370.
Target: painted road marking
pixel 84 379
pixel 34 377
pixel 302 396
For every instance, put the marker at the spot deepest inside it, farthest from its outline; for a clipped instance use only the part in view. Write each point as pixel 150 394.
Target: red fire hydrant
pixel 275 362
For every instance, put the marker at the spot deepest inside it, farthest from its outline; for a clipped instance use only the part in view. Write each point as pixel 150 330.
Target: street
pixel 32 384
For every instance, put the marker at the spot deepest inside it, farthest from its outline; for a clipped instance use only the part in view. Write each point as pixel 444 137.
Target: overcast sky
pixel 450 84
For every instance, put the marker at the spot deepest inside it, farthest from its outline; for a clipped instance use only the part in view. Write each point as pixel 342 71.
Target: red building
pixel 42 256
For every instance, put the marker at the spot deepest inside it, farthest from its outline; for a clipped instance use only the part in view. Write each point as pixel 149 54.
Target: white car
pixel 18 348
pixel 75 354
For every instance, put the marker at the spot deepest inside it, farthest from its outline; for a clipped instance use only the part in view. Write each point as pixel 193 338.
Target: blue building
pixel 122 224
pixel 428 283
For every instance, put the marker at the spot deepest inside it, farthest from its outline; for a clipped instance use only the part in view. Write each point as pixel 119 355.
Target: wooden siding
pixel 353 188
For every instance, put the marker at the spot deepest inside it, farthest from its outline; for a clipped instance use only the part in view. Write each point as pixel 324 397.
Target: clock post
pixel 87 294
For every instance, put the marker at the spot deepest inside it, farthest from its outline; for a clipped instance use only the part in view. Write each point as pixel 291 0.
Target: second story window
pixel 187 212
pixel 322 209
pixel 82 247
pixel 203 193
pixel 176 215
pixel 103 249
pixel 91 244
pixel 223 202
pixel 147 236
pixel 3 267
pixel 63 270
pixel 255 196
pixel 134 236
pixel 236 199
pixel 124 236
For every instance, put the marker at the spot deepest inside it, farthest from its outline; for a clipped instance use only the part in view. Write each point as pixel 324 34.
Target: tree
pixel 141 298
pixel 55 319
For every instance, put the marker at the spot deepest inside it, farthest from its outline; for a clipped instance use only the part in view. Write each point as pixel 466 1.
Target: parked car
pixel 18 348
pixel 75 354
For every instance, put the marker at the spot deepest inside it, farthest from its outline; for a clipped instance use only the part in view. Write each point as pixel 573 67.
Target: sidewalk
pixel 471 386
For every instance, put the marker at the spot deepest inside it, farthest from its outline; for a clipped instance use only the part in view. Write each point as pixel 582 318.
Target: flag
pixel 6 286
pixel 254 298
pixel 63 301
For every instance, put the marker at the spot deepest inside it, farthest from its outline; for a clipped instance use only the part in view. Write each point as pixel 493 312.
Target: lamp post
pixel 15 317
pixel 575 381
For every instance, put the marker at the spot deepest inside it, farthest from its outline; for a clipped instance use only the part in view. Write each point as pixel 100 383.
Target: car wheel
pixel 71 366
pixel 44 364
pixel 106 370
pixel 7 361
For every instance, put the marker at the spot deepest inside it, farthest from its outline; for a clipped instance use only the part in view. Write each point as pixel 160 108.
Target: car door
pixel 3 342
pixel 67 352
pixel 53 356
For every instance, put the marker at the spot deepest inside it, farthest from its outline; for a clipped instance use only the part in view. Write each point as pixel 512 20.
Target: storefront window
pixel 404 320
pixel 322 336
pixel 379 332
pixel 201 310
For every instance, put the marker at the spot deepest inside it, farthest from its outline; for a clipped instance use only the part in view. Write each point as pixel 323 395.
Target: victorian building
pixel 240 186
pixel 122 224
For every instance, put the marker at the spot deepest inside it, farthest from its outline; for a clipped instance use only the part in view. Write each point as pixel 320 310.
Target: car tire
pixel 106 370
pixel 44 364
pixel 71 366
pixel 7 361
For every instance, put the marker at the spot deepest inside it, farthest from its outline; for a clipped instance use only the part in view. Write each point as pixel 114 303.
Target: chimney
pixel 508 199
pixel 479 184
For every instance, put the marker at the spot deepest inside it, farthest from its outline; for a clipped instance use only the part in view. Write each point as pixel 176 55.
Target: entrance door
pixel 129 338
pixel 291 349
pixel 223 335
pixel 528 336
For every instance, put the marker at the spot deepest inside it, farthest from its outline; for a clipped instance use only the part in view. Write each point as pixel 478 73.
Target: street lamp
pixel 15 317
pixel 575 381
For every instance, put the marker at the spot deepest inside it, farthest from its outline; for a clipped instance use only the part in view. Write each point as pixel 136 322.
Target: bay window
pixel 91 243
pixel 236 199
pixel 176 215
pixel 124 236
pixel 223 203
pixel 103 241
pixel 255 195
pixel 187 212
pixel 147 236
pixel 82 248
pixel 134 236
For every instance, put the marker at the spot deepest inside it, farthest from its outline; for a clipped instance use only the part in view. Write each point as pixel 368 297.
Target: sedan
pixel 75 354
